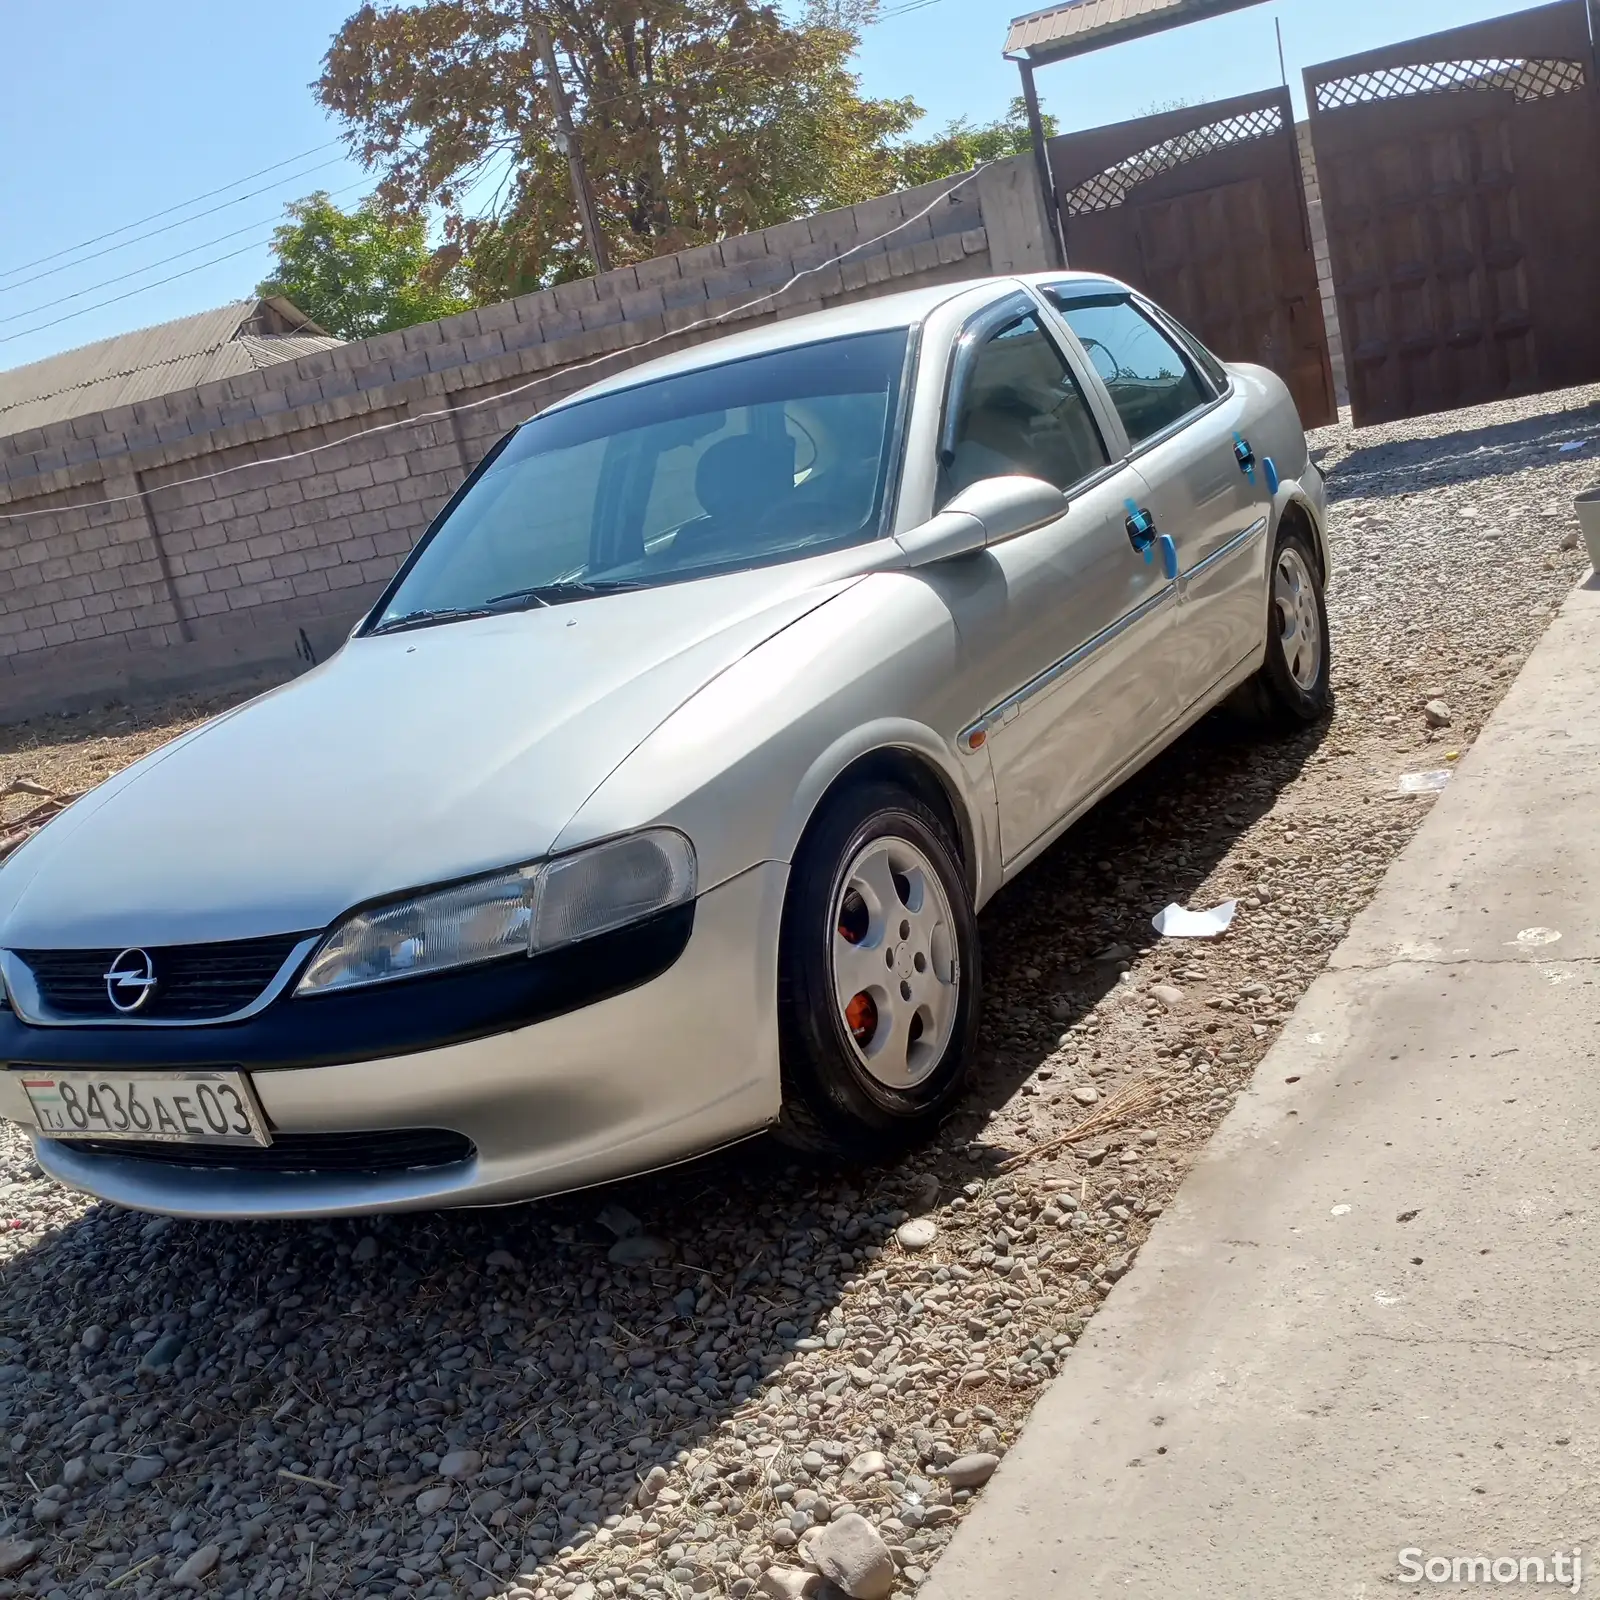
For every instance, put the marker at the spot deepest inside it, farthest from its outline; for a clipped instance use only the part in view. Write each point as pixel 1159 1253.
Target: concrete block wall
pixel 331 466
pixel 1320 248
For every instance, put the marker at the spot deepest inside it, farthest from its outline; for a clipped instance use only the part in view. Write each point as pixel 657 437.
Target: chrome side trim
pixel 24 993
pixel 1237 542
pixel 1011 707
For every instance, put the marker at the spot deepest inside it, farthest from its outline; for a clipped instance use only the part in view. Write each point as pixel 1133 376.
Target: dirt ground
pixel 469 1404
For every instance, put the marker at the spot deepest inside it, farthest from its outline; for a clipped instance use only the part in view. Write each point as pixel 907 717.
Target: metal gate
pixel 1204 210
pixel 1459 187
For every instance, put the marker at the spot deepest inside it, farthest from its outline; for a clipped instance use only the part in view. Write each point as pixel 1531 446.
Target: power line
pixel 182 222
pixel 150 266
pixel 111 233
pixel 913 5
pixel 83 311
pixel 534 383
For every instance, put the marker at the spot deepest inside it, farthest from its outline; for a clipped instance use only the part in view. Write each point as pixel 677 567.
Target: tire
pixel 850 1091
pixel 1290 691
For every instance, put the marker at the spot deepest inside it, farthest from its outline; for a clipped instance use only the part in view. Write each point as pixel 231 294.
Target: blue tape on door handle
pixel 1169 555
pixel 1139 529
pixel 1270 467
pixel 1244 455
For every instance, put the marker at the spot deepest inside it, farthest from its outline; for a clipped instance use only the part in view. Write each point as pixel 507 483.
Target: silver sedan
pixel 653 802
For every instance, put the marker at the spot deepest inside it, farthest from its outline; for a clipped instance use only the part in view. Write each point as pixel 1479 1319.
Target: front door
pixel 1064 627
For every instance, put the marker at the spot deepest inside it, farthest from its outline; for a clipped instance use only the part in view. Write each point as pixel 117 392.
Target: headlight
pixel 521 912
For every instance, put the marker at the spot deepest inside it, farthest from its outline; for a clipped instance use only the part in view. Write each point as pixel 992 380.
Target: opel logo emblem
pixel 131 980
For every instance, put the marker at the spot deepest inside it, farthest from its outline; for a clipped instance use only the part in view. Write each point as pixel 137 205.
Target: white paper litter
pixel 1577 444
pixel 1424 782
pixel 1177 922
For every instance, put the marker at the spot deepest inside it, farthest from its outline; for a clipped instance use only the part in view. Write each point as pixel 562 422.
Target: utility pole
pixel 567 144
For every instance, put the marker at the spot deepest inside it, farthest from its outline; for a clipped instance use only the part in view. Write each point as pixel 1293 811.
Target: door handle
pixel 1169 555
pixel 1245 456
pixel 1141 526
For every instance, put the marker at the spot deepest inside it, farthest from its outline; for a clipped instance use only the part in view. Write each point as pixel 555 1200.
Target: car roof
pixel 862 316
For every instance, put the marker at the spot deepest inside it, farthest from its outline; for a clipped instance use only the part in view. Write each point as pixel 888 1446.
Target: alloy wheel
pixel 1294 595
pixel 896 973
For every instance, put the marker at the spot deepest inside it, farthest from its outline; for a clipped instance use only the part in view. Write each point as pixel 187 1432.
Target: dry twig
pixel 23 828
pixel 1128 1102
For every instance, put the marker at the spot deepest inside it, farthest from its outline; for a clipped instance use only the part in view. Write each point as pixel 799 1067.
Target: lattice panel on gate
pixel 1526 79
pixel 1109 189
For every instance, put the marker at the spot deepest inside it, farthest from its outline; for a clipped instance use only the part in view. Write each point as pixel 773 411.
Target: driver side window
pixel 1022 412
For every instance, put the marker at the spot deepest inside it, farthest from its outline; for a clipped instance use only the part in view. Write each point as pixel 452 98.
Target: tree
pixel 697 119
pixel 361 272
pixel 964 144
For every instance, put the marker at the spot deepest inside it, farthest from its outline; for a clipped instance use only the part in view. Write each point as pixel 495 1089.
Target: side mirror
pixel 1009 506
pixel 985 513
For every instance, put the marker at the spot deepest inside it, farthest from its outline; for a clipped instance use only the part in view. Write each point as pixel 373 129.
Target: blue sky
pixel 111 112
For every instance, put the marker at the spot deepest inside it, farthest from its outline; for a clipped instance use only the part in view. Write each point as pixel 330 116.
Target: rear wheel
pixel 1291 688
pixel 878 980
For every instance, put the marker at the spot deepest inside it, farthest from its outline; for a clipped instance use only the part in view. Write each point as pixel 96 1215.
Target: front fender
pixel 741 767
pixel 967 780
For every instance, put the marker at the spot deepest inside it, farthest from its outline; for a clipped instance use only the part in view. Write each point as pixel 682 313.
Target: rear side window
pixel 1197 352
pixel 1021 411
pixel 1152 383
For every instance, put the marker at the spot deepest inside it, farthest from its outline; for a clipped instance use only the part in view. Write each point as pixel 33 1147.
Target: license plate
pixel 180 1107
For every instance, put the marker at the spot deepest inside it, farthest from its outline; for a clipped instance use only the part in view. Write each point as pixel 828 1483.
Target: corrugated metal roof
pixel 1078 26
pixel 153 361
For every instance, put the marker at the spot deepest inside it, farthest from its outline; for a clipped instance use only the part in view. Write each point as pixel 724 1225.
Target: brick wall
pixel 179 582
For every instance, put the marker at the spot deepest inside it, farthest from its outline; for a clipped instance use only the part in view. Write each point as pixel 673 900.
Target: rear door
pixel 1064 626
pixel 1188 433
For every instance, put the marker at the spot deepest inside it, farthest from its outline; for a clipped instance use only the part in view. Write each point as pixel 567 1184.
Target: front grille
pixel 389 1150
pixel 193 981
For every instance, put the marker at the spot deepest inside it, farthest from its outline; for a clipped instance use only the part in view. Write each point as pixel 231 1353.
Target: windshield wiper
pixel 542 594
pixel 564 589
pixel 422 619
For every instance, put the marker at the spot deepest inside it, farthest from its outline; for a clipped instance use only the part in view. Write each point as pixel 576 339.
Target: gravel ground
pixel 692 1384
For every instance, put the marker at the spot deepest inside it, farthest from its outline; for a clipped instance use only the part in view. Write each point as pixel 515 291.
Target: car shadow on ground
pixel 328 1367
pixel 1413 466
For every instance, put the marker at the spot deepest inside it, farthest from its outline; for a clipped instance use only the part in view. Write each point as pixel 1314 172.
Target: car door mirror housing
pixel 1008 506
pixel 985 513
pixel 942 538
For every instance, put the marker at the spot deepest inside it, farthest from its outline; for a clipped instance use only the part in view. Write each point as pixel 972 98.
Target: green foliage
pixel 697 119
pixel 359 273
pixel 964 144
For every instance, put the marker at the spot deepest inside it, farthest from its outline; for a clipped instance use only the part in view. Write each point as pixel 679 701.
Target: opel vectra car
pixel 651 804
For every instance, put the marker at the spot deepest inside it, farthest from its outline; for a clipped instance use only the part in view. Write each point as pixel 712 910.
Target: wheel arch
pixel 907 756
pixel 1296 513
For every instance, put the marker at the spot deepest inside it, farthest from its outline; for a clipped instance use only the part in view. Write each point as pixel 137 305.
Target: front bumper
pixel 659 1073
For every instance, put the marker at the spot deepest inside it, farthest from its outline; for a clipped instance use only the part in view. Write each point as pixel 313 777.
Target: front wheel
pixel 878 978
pixel 1291 688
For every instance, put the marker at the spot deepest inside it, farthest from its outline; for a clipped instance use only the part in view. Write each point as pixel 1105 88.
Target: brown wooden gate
pixel 1461 188
pixel 1204 210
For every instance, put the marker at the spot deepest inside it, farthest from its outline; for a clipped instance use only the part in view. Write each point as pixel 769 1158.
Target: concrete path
pixel 1370 1324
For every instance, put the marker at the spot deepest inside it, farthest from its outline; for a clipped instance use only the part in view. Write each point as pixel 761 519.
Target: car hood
pixel 407 759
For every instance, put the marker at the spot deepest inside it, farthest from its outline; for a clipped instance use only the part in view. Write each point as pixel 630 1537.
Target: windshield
pixel 760 460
